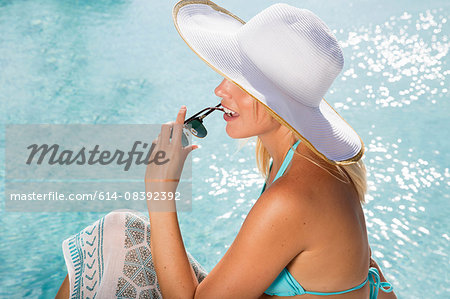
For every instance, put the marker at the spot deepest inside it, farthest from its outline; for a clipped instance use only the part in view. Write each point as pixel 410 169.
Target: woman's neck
pixel 277 142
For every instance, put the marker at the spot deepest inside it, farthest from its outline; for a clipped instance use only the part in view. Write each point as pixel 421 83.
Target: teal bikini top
pixel 286 285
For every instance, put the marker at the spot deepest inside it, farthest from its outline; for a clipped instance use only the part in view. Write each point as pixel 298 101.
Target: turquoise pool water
pixel 120 62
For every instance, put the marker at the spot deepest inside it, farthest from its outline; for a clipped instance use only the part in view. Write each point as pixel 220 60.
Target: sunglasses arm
pixel 203 116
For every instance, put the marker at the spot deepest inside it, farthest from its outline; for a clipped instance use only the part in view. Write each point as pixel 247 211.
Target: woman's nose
pixel 220 90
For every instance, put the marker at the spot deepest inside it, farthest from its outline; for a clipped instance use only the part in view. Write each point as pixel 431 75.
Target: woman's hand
pixel 168 157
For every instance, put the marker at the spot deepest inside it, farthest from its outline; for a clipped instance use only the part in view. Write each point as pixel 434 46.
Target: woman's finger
pixel 155 148
pixel 190 148
pixel 178 126
pixel 181 115
pixel 165 133
pixel 177 130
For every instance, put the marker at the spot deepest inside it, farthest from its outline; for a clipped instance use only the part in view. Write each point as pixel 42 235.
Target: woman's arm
pixel 262 248
pixel 175 274
pixel 64 289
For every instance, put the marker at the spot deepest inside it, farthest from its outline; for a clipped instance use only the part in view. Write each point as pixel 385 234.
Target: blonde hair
pixel 355 172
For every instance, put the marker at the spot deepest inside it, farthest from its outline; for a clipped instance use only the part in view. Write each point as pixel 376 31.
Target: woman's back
pixel 335 254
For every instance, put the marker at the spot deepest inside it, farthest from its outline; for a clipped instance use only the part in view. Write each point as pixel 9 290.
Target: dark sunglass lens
pixel 197 128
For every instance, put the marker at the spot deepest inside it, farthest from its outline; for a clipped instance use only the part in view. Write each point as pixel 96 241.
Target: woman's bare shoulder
pixel 296 192
pixel 290 207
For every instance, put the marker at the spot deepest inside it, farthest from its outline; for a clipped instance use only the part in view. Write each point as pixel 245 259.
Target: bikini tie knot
pixel 376 284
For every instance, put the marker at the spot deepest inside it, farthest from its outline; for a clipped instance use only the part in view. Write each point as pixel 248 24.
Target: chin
pixel 231 133
pixel 238 135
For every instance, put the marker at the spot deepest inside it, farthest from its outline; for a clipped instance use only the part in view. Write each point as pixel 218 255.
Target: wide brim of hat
pixel 210 31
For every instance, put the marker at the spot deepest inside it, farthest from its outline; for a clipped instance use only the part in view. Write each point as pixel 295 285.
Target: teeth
pixel 228 111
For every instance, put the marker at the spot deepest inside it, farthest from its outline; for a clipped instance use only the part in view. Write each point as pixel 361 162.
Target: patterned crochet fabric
pixel 112 259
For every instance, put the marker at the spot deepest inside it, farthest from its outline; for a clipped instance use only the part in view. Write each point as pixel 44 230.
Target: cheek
pixel 261 116
pixel 246 110
pixel 259 120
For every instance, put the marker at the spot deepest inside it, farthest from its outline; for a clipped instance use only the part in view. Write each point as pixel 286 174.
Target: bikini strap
pixel 289 154
pixel 340 292
pixel 284 165
pixel 375 285
pixel 286 160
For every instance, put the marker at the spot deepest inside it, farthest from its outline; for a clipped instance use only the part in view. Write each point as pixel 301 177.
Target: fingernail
pixel 183 107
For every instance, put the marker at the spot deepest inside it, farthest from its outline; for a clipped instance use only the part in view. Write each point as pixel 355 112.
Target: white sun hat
pixel 284 57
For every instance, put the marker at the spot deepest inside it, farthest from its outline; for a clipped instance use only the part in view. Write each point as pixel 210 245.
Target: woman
pixel 305 235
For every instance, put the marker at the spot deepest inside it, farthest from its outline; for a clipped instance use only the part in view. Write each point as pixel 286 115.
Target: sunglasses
pixel 194 124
